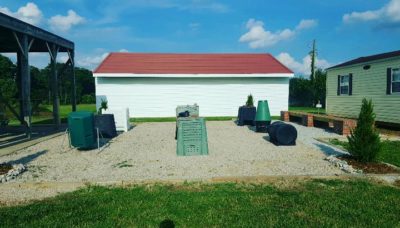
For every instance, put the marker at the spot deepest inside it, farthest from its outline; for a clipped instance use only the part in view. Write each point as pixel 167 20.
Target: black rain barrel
pixel 106 125
pixel 283 134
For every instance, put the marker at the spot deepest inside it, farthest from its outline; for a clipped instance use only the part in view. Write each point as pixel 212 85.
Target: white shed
pixel 152 85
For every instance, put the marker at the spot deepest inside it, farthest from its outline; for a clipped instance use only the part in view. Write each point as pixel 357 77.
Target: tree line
pixel 40 84
pixel 308 92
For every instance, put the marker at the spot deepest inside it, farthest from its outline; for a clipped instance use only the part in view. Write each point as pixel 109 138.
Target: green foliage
pixel 319 87
pixel 306 92
pixel 88 99
pixel 318 203
pixel 103 105
pixel 390 152
pixel 300 92
pixel 364 141
pixel 8 85
pixel 250 101
pixel 40 81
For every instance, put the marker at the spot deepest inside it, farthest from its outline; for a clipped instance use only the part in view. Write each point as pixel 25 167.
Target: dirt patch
pixel 4 168
pixel 397 183
pixel 370 167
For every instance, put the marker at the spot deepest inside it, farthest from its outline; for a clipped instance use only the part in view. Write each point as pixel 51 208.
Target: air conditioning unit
pixel 121 117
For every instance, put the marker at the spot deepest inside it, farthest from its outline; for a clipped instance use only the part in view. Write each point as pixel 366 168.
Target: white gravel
pixel 148 152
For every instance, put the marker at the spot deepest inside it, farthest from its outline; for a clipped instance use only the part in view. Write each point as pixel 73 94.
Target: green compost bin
pixel 192 137
pixel 81 130
pixel 263 116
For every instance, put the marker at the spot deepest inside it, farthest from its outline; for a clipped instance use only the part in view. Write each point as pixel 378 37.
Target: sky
pixel 343 29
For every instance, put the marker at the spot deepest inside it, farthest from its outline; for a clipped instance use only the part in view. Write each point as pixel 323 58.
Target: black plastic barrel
pixel 106 125
pixel 283 134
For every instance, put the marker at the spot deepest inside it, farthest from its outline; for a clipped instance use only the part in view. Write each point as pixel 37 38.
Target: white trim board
pixel 131 75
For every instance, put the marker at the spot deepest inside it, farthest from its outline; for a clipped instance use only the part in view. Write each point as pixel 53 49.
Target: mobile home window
pixel 344 84
pixel 396 80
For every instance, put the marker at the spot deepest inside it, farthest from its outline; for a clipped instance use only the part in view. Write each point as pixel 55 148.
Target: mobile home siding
pixel 158 97
pixel 371 84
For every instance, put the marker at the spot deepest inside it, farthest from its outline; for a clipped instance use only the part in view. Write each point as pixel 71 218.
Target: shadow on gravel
pixel 327 150
pixel 27 159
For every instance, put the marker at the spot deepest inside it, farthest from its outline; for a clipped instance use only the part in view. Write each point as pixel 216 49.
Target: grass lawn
pixel 46 113
pixel 317 203
pixel 307 109
pixel 390 151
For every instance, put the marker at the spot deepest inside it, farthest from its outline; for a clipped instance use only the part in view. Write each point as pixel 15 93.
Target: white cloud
pixel 64 23
pixel 303 67
pixel 306 24
pixel 388 13
pixel 30 13
pixel 259 37
pixel 91 62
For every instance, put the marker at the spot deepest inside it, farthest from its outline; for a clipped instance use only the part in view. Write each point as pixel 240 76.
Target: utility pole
pixel 313 56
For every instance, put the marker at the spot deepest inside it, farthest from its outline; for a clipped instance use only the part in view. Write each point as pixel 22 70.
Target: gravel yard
pixel 148 152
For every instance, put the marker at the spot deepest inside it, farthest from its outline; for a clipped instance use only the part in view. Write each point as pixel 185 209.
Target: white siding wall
pixel 158 97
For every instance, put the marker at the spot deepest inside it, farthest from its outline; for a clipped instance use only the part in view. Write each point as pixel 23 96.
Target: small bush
pixel 103 106
pixel 250 101
pixel 88 99
pixel 364 141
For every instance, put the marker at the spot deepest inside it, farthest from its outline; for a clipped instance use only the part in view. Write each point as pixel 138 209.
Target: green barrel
pixel 81 130
pixel 263 116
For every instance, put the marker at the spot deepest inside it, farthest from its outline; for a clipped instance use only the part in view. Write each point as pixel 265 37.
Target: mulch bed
pixel 4 168
pixel 370 167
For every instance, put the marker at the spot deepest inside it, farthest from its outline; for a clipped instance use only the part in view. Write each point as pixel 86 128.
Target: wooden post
pixel 71 55
pixel 25 83
pixel 53 51
pixel 20 55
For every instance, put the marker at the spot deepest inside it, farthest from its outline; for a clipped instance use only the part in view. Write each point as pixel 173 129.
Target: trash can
pixel 263 116
pixel 106 125
pixel 81 130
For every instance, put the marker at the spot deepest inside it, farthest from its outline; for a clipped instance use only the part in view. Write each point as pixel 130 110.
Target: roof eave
pixel 246 75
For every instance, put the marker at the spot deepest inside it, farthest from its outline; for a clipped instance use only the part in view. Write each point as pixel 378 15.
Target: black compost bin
pixel 106 125
pixel 283 134
pixel 246 115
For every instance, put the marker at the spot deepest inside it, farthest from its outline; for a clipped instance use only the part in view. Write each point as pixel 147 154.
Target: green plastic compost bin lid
pixel 263 111
pixel 81 129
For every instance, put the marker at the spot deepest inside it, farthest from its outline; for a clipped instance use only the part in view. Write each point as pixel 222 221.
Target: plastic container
pixel 263 116
pixel 81 130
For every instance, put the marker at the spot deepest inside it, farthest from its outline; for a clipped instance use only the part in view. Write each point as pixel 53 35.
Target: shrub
pixel 364 140
pixel 103 105
pixel 88 99
pixel 250 102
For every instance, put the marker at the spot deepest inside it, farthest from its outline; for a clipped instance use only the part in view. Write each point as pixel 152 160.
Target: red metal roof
pixel 151 63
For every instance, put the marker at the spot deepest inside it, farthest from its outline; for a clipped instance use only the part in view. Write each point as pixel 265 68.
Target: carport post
pixel 53 51
pixel 71 54
pixel 25 82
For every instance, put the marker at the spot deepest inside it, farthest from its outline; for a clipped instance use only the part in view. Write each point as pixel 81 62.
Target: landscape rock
pixel 12 173
pixel 342 165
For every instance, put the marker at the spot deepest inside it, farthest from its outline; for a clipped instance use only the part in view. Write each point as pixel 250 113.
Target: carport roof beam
pixel 10 25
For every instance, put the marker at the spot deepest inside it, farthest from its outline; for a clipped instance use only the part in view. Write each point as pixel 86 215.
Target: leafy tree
pixel 300 92
pixel 8 85
pixel 364 141
pixel 319 87
pixel 39 88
